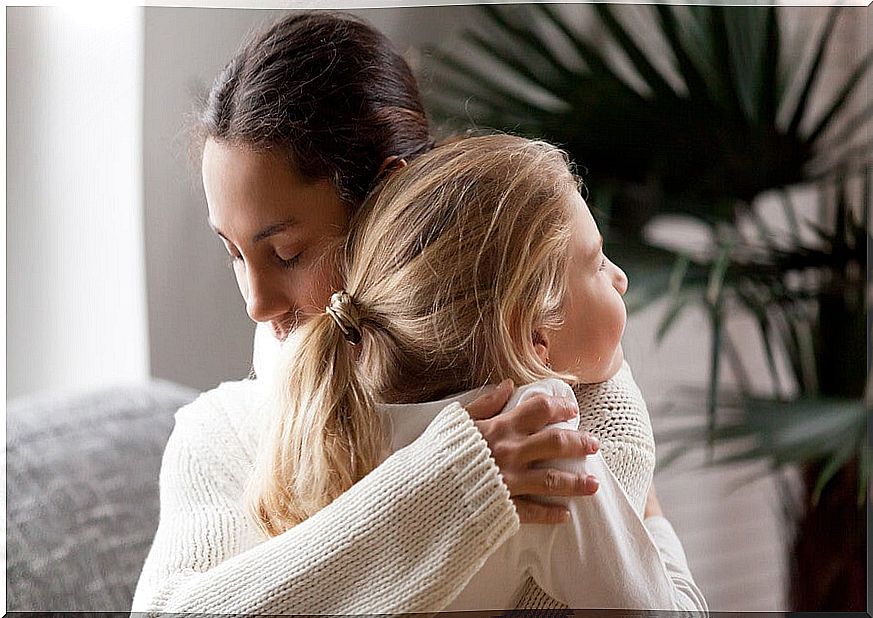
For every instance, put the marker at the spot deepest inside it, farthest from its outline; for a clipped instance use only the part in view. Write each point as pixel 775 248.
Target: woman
pixel 297 128
pixel 480 256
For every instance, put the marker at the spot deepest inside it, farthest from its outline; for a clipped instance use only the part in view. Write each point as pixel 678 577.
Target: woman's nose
pixel 265 298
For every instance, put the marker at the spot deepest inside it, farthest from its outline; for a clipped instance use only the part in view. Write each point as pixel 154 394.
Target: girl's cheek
pixel 622 318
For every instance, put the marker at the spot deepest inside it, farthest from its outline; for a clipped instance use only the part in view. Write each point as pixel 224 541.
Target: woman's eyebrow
pixel 270 230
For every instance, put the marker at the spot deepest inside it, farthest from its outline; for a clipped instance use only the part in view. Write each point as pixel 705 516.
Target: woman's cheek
pixel 323 276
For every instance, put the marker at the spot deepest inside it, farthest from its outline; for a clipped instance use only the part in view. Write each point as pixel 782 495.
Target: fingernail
pixel 593 445
pixel 591 484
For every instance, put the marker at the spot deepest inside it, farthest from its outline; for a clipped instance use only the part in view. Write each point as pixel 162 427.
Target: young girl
pixel 480 257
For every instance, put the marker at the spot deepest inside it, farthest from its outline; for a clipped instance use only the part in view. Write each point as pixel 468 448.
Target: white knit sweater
pixel 433 512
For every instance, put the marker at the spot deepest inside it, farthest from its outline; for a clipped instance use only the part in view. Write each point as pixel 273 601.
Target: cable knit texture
pixel 615 412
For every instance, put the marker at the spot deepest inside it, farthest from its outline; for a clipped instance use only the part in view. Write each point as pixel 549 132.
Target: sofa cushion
pixel 82 491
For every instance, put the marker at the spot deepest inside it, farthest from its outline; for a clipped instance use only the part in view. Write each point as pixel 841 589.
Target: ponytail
pixel 326 434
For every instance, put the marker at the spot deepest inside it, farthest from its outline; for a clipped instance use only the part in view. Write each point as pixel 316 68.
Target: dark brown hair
pixel 328 89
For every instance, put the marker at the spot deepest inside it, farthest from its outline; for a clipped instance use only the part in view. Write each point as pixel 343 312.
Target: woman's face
pixel 589 342
pixel 277 228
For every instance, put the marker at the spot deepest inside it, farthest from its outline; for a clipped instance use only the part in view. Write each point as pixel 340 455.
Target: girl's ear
pixel 541 345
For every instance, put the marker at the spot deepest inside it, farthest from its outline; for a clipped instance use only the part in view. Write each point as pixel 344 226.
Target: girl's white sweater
pixel 406 538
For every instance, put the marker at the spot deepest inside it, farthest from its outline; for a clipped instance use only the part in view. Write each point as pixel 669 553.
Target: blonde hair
pixel 451 266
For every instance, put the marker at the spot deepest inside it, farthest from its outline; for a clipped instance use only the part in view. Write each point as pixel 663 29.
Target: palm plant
pixel 724 117
pixel 810 301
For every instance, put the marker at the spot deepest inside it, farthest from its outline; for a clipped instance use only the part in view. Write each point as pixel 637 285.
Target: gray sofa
pixel 82 494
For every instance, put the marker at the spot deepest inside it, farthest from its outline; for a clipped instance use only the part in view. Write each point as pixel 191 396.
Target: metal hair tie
pixel 345 314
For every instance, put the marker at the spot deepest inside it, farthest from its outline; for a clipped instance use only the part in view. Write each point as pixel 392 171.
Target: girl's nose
pixel 619 280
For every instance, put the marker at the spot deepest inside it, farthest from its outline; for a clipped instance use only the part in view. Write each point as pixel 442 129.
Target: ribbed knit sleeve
pixel 406 538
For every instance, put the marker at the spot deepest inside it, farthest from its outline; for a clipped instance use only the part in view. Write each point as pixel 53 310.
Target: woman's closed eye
pixel 288 262
pixel 287 259
pixel 602 264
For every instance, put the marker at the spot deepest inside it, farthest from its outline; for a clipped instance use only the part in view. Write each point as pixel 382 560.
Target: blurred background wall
pixel 113 274
pixel 76 296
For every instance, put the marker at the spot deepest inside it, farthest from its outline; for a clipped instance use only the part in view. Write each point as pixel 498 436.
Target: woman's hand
pixel 653 506
pixel 516 443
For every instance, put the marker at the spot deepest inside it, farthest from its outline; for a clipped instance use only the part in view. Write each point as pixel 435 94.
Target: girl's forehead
pixel 586 240
pixel 582 214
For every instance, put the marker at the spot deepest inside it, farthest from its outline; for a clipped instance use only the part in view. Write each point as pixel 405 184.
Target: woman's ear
pixel 391 164
pixel 541 345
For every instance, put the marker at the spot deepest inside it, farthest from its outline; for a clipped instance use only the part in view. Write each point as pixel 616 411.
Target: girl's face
pixel 277 229
pixel 588 344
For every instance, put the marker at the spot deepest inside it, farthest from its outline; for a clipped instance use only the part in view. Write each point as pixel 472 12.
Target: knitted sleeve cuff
pixel 485 495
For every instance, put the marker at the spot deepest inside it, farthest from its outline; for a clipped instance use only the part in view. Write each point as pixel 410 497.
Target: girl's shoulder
pixel 616 413
pixel 549 386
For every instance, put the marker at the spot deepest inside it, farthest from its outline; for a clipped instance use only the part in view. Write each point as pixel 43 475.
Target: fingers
pixel 534 413
pixel 516 441
pixel 557 444
pixel 488 405
pixel 552 482
pixel 530 512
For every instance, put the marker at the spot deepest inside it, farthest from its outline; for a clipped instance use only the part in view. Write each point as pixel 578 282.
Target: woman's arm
pixel 616 413
pixel 432 512
pixel 509 437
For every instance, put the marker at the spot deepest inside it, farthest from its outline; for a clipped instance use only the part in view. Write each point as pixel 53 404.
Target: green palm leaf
pixel 644 67
pixel 820 49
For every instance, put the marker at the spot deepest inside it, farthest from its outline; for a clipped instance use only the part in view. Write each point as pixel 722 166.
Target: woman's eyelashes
pixel 288 263
pixel 602 264
pixel 285 263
